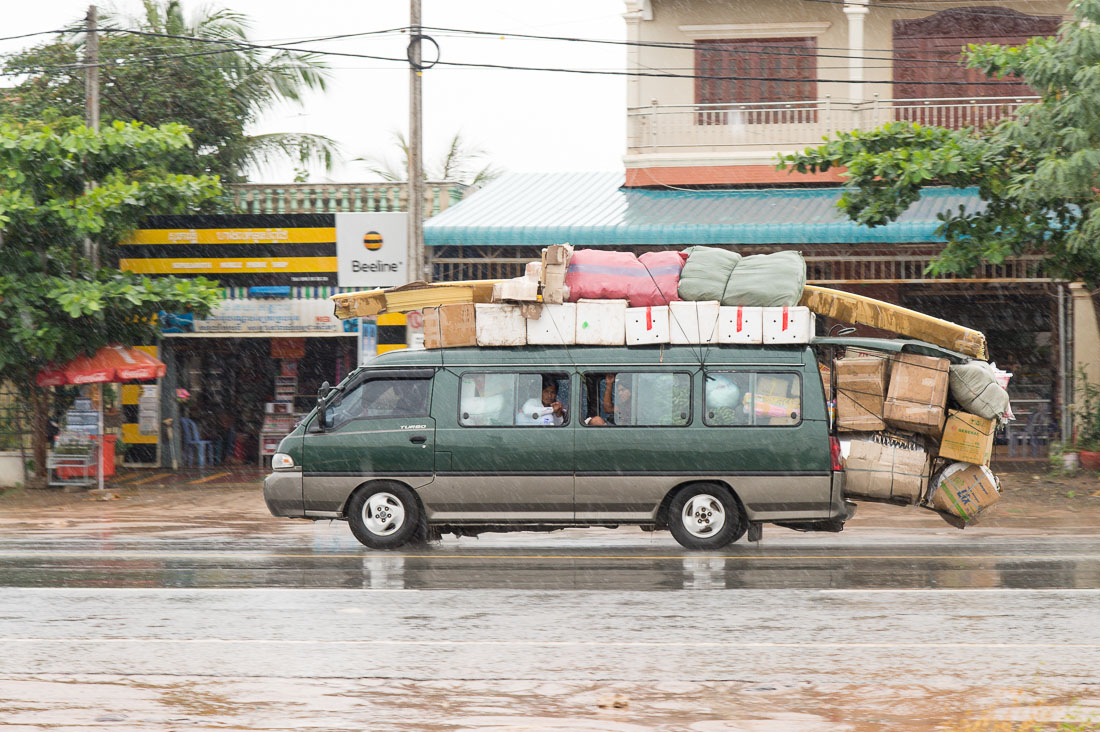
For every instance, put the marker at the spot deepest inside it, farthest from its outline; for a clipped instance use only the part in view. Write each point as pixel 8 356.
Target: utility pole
pixel 91 105
pixel 416 267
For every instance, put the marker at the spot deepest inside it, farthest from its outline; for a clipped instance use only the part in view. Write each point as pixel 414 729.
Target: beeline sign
pixel 371 249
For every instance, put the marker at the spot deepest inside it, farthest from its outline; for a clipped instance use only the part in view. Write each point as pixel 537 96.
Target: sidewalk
pixel 1032 504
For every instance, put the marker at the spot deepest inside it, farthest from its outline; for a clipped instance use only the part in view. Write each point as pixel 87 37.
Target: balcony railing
pixel 726 127
pixel 339 197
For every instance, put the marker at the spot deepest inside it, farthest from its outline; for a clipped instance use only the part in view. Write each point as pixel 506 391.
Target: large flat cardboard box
pixel 885 473
pixel 965 490
pixel 918 393
pixel 860 392
pixel 967 438
pixel 449 326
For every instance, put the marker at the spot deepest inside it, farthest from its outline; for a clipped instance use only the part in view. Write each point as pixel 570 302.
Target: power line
pixel 243 45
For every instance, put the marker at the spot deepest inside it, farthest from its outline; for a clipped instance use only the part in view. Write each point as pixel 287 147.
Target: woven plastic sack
pixel 974 386
pixel 767 281
pixel 602 275
pixel 706 273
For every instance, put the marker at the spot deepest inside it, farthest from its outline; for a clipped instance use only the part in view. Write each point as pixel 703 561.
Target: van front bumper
pixel 283 494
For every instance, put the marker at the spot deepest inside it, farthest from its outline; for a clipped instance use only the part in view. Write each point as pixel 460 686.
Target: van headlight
pixel 281 461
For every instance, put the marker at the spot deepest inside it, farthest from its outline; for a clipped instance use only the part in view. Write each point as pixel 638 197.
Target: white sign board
pixel 371 249
pixel 261 316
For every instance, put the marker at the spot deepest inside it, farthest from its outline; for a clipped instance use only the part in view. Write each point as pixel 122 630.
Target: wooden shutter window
pixel 764 72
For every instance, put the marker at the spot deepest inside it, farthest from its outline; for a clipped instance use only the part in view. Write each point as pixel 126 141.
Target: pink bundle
pixel 651 279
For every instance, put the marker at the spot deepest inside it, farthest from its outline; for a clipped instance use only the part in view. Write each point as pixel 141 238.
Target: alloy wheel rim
pixel 703 516
pixel 383 514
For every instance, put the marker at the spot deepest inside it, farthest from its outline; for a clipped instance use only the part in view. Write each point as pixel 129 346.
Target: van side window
pixel 741 398
pixel 637 399
pixel 383 398
pixel 513 400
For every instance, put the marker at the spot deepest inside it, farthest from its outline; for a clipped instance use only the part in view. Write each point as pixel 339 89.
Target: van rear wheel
pixel 384 516
pixel 705 517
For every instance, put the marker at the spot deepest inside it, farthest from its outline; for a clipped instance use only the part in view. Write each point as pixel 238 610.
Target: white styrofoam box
pixel 601 322
pixel 693 322
pixel 497 324
pixel 557 326
pixel 647 325
pixel 741 325
pixel 788 325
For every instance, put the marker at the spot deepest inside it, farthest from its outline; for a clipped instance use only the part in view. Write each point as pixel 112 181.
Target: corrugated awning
pixel 593 209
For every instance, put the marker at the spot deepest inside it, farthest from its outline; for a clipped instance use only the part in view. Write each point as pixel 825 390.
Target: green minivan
pixel 708 441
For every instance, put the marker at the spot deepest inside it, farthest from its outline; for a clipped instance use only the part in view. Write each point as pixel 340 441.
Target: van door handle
pixel 418 439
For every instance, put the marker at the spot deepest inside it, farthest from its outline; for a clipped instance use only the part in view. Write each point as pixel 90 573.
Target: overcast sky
pixel 526 120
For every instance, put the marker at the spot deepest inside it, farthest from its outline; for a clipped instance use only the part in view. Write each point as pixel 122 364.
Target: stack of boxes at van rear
pixel 636 303
pixel 919 430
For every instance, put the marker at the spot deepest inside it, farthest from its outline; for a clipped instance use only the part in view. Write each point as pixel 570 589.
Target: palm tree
pixel 257 80
pixel 462 163
pixel 219 86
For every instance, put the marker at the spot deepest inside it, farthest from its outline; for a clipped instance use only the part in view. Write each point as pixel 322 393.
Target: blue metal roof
pixel 593 209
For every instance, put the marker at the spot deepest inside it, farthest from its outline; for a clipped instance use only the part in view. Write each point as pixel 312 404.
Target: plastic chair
pixel 195 449
pixel 1033 436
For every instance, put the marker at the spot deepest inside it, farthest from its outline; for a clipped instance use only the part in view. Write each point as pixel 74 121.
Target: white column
pixel 856 11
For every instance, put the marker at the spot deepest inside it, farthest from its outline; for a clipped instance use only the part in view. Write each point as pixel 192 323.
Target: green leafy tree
pixel 218 89
pixel 54 303
pixel 1038 174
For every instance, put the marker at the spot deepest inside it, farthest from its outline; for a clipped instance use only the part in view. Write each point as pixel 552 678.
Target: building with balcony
pixel 729 93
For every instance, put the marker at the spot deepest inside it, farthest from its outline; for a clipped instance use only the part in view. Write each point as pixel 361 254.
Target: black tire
pixel 385 516
pixel 714 518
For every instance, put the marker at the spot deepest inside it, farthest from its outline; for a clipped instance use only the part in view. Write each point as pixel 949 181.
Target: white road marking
pixel 543 643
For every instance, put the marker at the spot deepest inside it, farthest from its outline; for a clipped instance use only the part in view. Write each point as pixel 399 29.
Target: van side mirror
pixel 323 391
pixel 328 418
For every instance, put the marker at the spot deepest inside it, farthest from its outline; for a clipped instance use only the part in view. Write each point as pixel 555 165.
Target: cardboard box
pixel 555 326
pixel 740 325
pixel 826 380
pixel 788 325
pixel 965 490
pixel 552 270
pixel 648 325
pixel 967 438
pixel 500 325
pixel 517 289
pixel 601 322
pixel 860 393
pixel 918 393
pixel 885 473
pixel 693 321
pixel 449 326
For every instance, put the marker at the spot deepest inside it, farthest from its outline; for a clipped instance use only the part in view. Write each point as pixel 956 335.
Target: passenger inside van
pixel 615 404
pixel 544 409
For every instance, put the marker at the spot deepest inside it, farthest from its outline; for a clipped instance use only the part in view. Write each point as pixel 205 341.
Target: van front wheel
pixel 705 517
pixel 384 516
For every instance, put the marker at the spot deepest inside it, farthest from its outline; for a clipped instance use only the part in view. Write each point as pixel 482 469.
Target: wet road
pixel 574 631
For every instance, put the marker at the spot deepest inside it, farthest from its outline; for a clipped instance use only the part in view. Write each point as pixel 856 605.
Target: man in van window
pixel 544 409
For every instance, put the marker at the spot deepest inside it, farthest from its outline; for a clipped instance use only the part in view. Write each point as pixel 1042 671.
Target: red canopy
pixel 109 364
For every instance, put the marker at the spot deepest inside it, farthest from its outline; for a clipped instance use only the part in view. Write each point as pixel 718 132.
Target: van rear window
pixel 746 399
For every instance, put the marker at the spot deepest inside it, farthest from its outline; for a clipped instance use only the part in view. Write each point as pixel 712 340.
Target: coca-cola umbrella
pixel 110 364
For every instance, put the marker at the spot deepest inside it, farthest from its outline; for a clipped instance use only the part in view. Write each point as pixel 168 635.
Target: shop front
pixel 238 379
